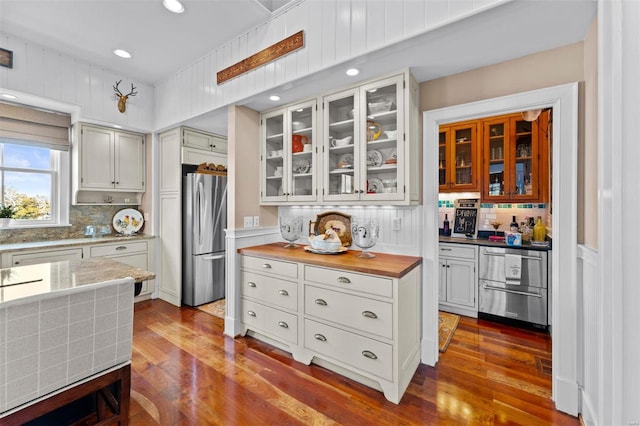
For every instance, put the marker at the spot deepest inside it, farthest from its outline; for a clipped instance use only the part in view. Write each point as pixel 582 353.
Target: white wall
pixel 41 72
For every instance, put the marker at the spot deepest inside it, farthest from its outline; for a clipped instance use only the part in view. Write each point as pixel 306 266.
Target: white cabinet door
pixel 442 281
pixel 170 258
pixel 204 141
pixel 273 158
pixel 97 158
pixel 129 161
pixel 461 282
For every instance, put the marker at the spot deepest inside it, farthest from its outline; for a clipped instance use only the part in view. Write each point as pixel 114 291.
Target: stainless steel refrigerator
pixel 204 214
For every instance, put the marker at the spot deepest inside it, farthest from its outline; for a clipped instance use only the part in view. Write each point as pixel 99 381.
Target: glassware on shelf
pixel 364 234
pixel 291 229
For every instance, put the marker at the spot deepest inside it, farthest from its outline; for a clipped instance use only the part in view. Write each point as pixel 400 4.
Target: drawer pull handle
pixel 445 249
pixel 266 266
pixel 344 280
pixel 251 313
pixel 283 324
pixel 251 284
pixel 369 354
pixel 321 302
pixel 369 314
pixel 320 337
pixel 121 248
pixel 283 292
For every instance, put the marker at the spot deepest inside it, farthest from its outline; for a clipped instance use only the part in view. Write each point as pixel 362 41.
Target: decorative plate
pixel 301 167
pixel 339 222
pixel 374 158
pixel 319 251
pixel 375 186
pixel 127 221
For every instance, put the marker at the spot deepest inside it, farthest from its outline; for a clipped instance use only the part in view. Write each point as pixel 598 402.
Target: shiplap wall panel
pixel 358 27
pixel 328 33
pixel 414 18
pixel 68 81
pixel 460 7
pixel 376 33
pixel 436 12
pixel 53 74
pixel 342 44
pixel 35 70
pixel 394 21
pixel 313 45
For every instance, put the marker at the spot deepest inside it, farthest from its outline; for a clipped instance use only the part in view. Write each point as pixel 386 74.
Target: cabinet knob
pixel 283 292
pixel 251 284
pixel 448 266
pixel 369 354
pixel 344 280
pixel 321 302
pixel 283 324
pixel 320 337
pixel 251 313
pixel 266 266
pixel 369 314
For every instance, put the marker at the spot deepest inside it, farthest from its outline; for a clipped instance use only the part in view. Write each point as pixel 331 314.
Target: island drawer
pixel 118 249
pixel 349 348
pixel 270 290
pixel 271 321
pixel 270 266
pixel 349 280
pixel 361 313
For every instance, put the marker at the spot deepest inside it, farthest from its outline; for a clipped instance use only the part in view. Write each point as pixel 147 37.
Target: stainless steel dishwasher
pixel 513 284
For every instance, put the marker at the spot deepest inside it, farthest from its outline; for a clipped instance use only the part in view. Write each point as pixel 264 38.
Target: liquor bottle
pixel 514 225
pixel 539 231
pixel 446 230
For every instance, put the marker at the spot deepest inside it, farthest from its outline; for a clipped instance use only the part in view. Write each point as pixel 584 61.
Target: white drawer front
pixel 278 267
pixel 118 249
pixel 359 352
pixel 270 321
pixel 270 290
pixel 458 250
pixel 349 280
pixel 356 312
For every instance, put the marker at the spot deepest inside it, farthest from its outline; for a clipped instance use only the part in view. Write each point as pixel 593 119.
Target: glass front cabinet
pixel 458 157
pixel 288 154
pixel 363 143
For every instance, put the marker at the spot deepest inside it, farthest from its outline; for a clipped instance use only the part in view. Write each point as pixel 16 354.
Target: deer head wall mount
pixel 122 99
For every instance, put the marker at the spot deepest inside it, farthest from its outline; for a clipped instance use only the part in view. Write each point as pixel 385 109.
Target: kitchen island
pixel 65 332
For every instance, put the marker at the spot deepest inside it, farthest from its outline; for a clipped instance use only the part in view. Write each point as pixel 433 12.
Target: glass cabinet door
pixel 383 145
pixel 496 150
pixel 302 161
pixel 525 154
pixel 274 168
pixel 443 182
pixel 458 162
pixel 341 139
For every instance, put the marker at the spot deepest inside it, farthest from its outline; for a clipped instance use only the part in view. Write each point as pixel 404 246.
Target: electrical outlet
pixel 256 221
pixel 248 222
pixel 395 224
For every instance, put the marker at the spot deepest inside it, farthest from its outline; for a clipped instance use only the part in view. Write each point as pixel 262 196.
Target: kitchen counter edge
pixel 487 243
pixel 71 242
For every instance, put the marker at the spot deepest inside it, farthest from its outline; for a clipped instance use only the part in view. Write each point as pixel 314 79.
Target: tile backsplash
pixel 79 217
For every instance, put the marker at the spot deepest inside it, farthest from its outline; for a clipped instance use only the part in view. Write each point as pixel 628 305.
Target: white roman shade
pixel 24 125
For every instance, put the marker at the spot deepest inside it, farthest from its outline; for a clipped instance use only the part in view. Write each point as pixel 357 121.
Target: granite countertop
pixel 384 264
pixel 45 278
pixel 114 238
pixel 486 242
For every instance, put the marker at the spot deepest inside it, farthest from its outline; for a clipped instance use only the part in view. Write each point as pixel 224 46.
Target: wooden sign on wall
pixel 281 48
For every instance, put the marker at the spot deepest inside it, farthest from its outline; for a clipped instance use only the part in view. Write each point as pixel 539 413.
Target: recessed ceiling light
pixel 173 6
pixel 274 98
pixel 353 71
pixel 8 96
pixel 122 53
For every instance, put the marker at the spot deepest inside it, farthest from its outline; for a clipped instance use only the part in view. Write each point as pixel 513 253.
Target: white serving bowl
pixel 320 244
pixel 391 134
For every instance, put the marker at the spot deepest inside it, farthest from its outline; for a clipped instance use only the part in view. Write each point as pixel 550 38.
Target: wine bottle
pixel 514 225
pixel 446 230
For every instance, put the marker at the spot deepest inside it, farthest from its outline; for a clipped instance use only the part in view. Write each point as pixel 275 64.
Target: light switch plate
pixel 395 224
pixel 256 221
pixel 248 222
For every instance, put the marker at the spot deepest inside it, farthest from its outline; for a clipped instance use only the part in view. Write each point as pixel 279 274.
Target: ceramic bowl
pixel 320 244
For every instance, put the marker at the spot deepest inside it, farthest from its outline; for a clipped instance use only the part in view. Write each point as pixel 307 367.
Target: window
pixel 35 181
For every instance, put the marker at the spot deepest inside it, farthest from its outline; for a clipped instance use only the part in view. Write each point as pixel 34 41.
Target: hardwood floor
pixel 185 371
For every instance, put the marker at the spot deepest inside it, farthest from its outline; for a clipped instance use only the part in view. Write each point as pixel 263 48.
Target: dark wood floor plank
pixel 186 372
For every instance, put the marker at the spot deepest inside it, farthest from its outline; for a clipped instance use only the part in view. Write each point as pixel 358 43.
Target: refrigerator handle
pixel 219 256
pixel 198 217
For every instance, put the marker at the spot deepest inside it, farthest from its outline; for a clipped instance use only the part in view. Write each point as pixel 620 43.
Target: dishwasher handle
pixel 489 253
pixel 506 290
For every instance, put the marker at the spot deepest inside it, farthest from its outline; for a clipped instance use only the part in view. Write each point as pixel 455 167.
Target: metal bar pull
pixel 216 257
pixel 121 248
pixel 344 280
pixel 444 249
pixel 522 293
pixel 369 314
pixel 321 302
pixel 369 354
pixel 251 313
pixel 251 284
pixel 320 337
pixel 283 324
pixel 266 266
pixel 283 292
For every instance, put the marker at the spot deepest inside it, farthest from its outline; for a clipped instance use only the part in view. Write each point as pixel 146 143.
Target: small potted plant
pixel 6 213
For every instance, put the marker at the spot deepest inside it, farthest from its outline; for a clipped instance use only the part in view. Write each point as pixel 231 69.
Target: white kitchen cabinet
pixel 204 141
pixel 458 279
pixel 134 253
pixel 288 155
pixel 32 257
pixel 364 326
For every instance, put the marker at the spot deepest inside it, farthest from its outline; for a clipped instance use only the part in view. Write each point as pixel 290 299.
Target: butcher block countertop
pixel 387 265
